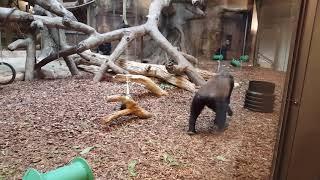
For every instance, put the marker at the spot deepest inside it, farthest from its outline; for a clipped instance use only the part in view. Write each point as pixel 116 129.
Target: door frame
pixel 300 48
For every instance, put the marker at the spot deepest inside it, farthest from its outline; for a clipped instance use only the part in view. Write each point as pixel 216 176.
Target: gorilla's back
pixel 217 87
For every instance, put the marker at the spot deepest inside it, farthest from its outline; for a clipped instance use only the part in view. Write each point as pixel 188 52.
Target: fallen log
pixel 89 61
pixel 147 82
pixel 158 71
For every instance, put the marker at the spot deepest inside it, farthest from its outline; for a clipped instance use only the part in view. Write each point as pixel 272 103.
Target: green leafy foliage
pixel 165 86
pixel 86 150
pixel 167 158
pixel 132 168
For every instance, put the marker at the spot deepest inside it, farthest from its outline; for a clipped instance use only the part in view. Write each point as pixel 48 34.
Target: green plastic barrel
pixel 78 169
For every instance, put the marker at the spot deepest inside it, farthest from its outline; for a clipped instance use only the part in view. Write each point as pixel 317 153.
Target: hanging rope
pixel 128 89
pixel 1 47
pixel 124 12
pixel 59 45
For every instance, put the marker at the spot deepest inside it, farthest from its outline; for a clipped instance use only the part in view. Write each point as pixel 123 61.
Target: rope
pixel 1 47
pixel 127 87
pixel 59 44
pixel 128 90
pixel 124 12
pixel 80 6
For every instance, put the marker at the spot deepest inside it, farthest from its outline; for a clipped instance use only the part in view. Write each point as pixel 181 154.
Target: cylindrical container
pixel 260 96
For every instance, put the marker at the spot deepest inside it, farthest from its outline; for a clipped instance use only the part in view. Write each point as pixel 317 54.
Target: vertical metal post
pixel 245 35
pixel 141 48
pixel 0 46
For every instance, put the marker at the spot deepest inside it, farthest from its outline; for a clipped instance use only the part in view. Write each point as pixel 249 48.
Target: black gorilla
pixel 105 49
pixel 215 94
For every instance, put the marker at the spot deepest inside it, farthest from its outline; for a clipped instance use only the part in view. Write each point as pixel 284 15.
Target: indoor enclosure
pixel 114 82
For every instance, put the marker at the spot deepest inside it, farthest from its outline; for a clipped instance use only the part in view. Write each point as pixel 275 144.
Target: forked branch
pixel 132 108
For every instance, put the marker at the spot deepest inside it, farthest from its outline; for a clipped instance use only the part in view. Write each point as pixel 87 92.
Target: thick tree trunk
pixel 31 58
pixel 30 44
pixel 158 71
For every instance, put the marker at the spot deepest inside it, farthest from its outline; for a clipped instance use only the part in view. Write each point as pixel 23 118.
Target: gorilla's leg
pixel 196 108
pixel 230 112
pixel 221 115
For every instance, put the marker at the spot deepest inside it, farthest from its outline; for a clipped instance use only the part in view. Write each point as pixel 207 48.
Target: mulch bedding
pixel 44 124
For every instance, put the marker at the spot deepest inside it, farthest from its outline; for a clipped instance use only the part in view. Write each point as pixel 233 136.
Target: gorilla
pixel 215 94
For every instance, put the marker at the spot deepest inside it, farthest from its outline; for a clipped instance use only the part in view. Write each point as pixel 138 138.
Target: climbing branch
pixel 67 21
pixel 150 27
pixel 131 108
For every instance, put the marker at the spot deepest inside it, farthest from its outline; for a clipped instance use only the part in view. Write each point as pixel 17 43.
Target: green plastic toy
pixel 218 57
pixel 78 169
pixel 244 58
pixel 235 63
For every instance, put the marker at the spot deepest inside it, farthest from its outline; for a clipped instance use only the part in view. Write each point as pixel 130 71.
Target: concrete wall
pixel 205 33
pixel 276 28
pixel 208 38
pixel 243 4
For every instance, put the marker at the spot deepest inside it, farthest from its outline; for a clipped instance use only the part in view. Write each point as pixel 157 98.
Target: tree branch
pixel 20 43
pixel 51 22
pixel 150 27
pixel 55 7
pixel 116 53
pixel 147 82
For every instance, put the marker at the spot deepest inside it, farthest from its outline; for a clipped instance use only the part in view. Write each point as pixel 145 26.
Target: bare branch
pixel 147 82
pixel 76 5
pixel 55 7
pixel 51 22
pixel 20 43
pixel 115 55
pixel 190 58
